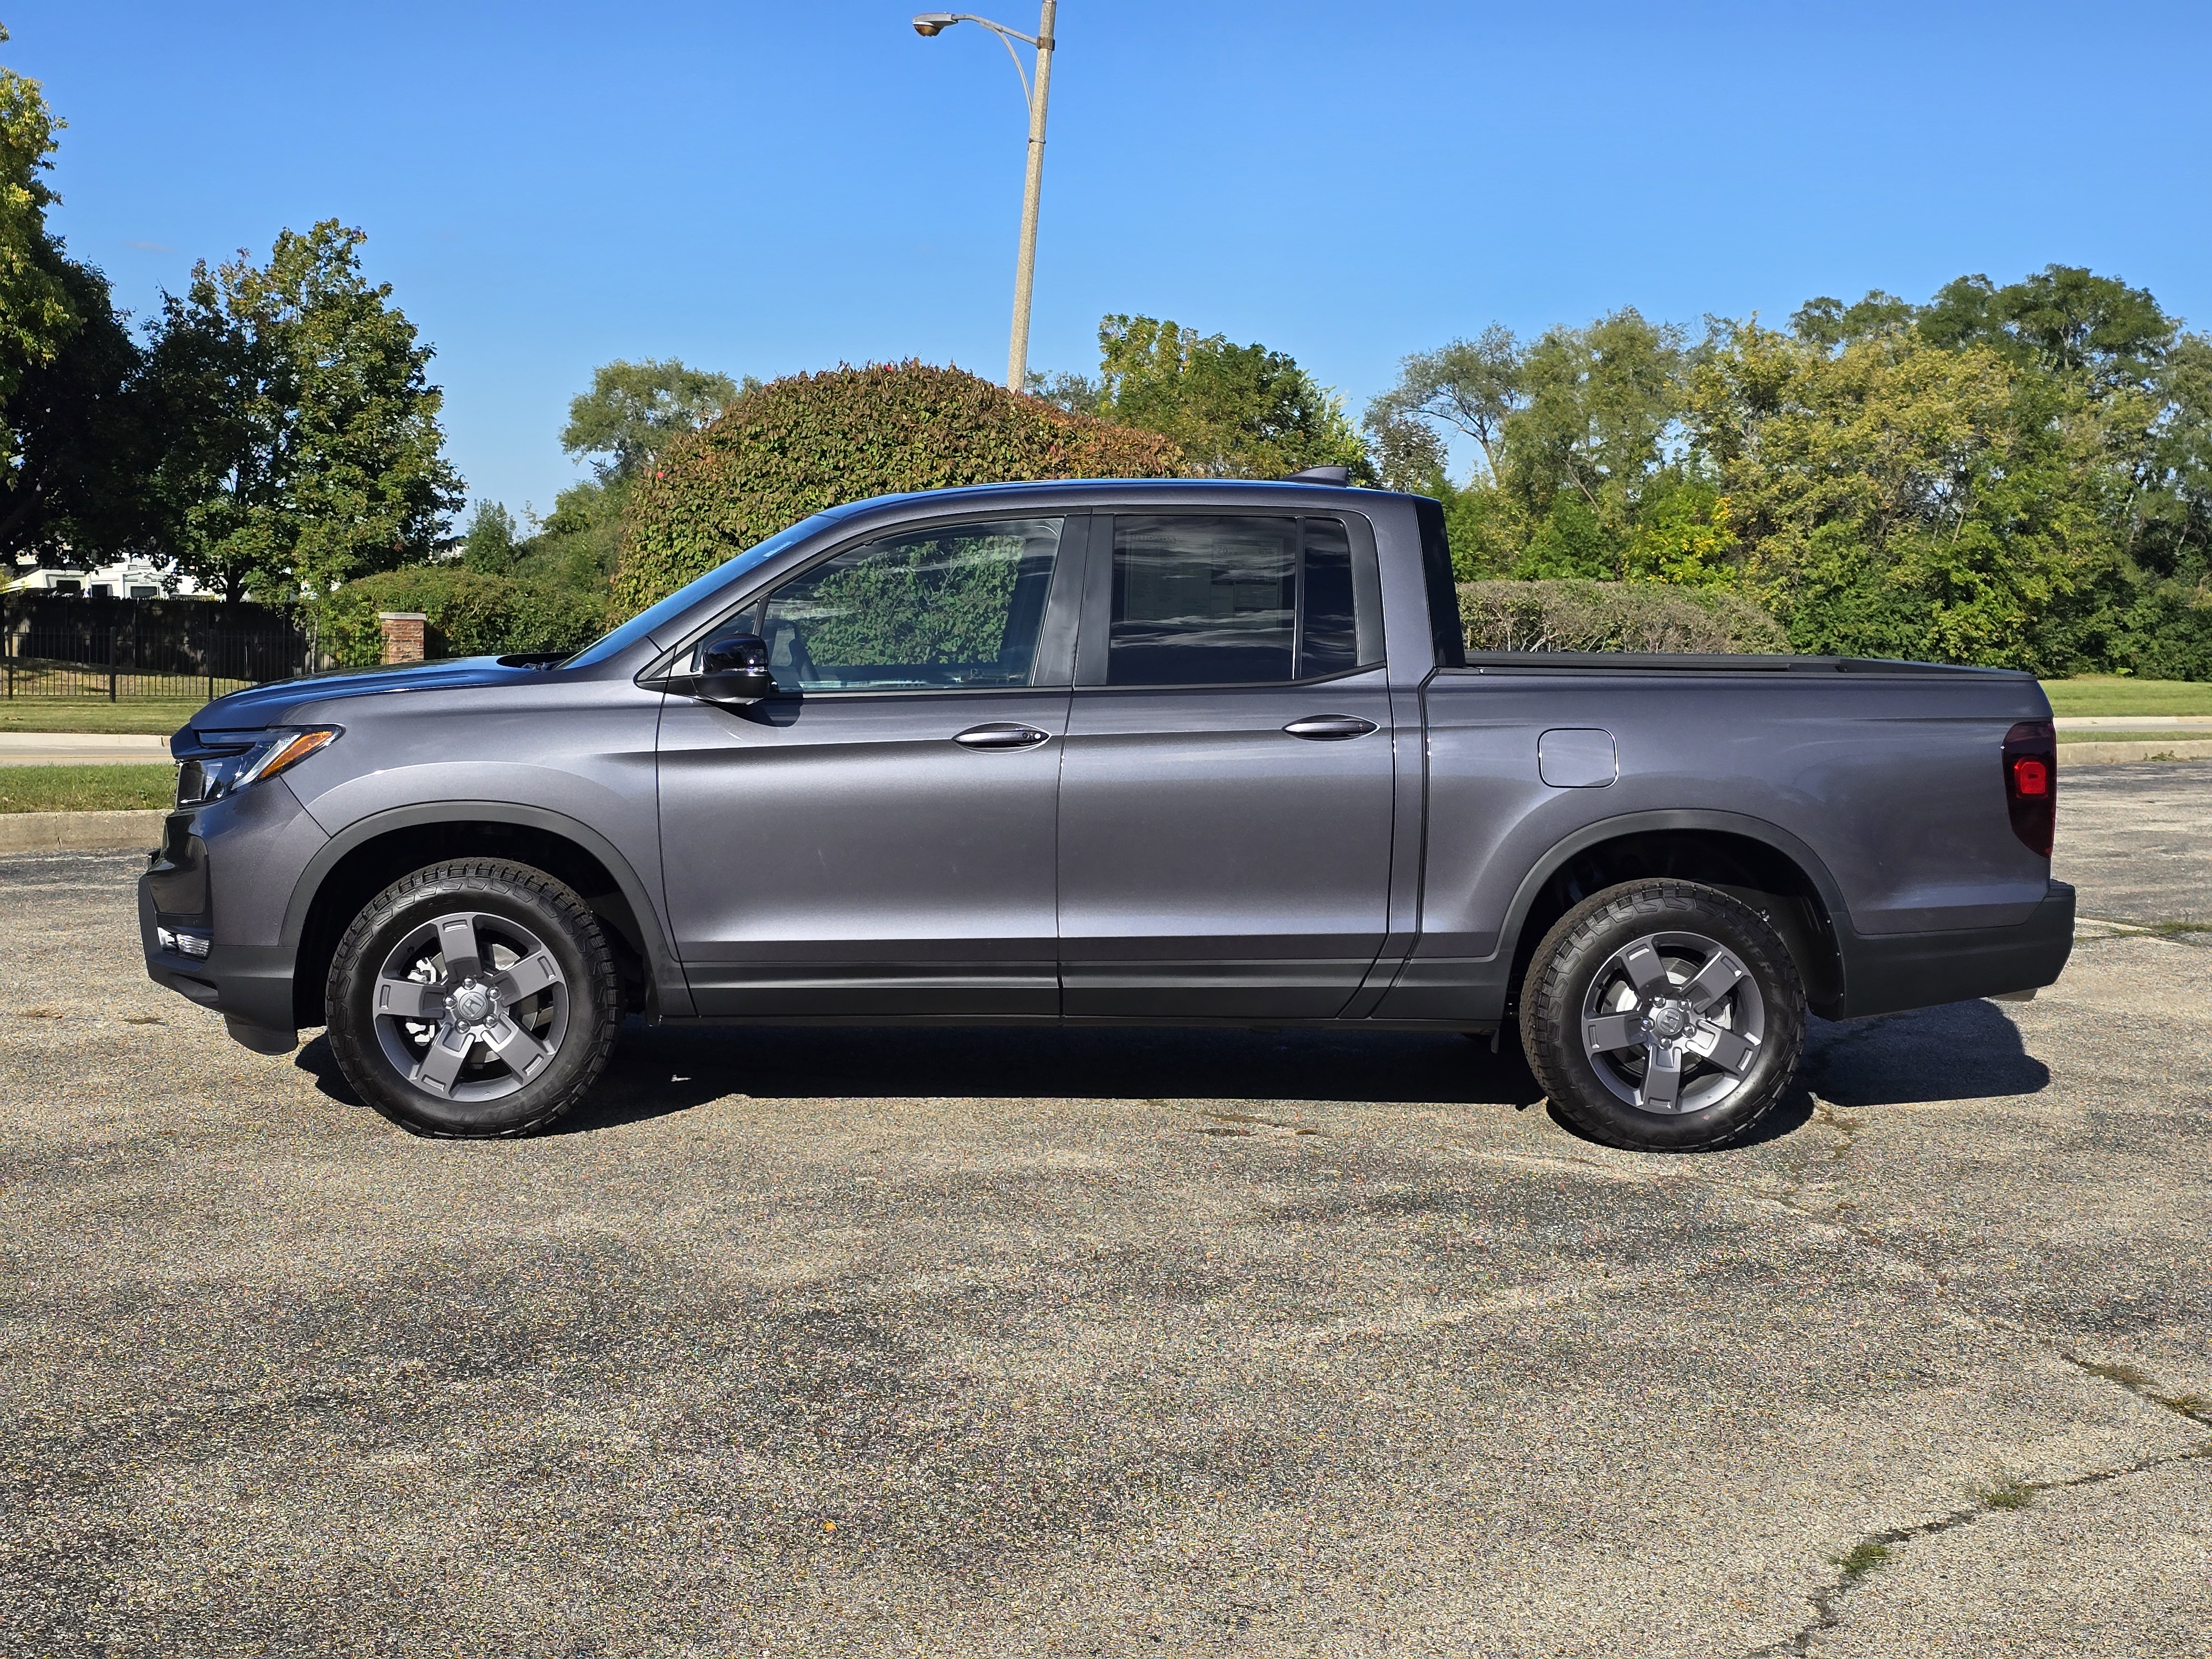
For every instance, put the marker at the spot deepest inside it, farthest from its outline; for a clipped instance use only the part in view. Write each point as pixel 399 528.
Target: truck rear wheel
pixel 473 999
pixel 1663 1016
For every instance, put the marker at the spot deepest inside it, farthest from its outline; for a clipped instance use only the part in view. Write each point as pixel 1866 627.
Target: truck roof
pixel 1254 492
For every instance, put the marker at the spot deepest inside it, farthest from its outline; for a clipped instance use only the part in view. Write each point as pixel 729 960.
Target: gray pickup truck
pixel 1106 752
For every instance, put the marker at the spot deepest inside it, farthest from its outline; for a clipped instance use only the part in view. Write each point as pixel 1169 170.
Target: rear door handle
pixel 1002 734
pixel 1330 728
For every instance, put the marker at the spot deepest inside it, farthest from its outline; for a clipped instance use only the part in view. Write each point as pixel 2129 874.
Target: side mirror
pixel 733 671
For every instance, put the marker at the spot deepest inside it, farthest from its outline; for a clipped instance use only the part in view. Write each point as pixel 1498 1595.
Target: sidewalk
pixel 78 748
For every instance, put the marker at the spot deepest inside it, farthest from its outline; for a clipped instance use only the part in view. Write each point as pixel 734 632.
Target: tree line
pixel 271 429
pixel 2016 473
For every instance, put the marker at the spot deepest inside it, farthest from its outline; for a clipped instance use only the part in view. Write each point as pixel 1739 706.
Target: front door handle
pixel 1330 728
pixel 1002 734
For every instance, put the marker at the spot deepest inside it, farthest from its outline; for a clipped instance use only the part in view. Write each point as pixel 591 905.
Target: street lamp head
pixel 933 22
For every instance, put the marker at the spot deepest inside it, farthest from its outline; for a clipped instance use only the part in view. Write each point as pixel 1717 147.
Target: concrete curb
pixel 2141 749
pixel 80 832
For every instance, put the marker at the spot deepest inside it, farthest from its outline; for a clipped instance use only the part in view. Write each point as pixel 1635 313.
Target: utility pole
pixel 1034 95
pixel 1017 348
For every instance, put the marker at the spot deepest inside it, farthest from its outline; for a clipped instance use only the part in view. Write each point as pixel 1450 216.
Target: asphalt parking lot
pixel 1152 1343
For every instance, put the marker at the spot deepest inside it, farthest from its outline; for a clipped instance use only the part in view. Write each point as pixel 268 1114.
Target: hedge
pixel 471 615
pixel 1591 616
pixel 796 446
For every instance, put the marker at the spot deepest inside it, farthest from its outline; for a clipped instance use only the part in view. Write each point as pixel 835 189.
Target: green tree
pixel 489 545
pixel 2173 529
pixel 1064 389
pixel 1599 401
pixel 578 544
pixel 633 409
pixel 1831 322
pixel 36 317
pixel 1578 445
pixel 1235 412
pixel 84 446
pixel 2064 318
pixel 2017 474
pixel 307 444
pixel 1899 498
pixel 1473 387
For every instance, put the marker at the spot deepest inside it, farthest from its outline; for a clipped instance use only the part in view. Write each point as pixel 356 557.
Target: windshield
pixel 643 625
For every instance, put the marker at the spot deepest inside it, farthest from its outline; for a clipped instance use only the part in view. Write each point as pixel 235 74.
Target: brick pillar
pixel 403 634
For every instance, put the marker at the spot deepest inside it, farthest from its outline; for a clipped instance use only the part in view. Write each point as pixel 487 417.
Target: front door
pixel 877 838
pixel 1226 793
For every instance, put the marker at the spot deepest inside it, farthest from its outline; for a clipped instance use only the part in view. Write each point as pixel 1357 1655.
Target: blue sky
pixel 763 189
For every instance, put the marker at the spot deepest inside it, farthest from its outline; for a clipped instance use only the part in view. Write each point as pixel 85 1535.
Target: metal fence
pixel 120 663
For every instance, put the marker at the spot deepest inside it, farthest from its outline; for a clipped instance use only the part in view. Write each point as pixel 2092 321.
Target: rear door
pixel 877 838
pixel 1226 791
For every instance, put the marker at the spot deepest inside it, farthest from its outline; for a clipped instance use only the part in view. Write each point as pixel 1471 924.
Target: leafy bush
pixel 1584 615
pixel 797 446
pixel 2167 634
pixel 471 613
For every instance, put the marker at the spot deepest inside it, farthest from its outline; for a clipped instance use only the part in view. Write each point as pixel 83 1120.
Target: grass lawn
pixel 2110 694
pixel 95 714
pixel 86 789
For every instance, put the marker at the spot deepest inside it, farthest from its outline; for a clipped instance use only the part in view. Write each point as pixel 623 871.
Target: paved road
pixel 809 1342
pixel 2137 839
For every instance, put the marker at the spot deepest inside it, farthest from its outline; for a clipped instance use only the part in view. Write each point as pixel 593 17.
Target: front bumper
pixel 221 875
pixel 1887 973
pixel 251 988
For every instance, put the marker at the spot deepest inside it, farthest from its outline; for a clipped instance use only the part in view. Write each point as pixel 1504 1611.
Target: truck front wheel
pixel 473 999
pixel 1663 1016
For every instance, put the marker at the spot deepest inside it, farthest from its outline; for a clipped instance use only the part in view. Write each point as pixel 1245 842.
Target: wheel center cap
pixel 471 1002
pixel 1668 1019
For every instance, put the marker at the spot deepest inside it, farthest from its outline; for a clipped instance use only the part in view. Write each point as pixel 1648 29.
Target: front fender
pixel 672 992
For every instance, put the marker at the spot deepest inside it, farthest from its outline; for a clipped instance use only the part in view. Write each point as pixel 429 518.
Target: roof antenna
pixel 1339 476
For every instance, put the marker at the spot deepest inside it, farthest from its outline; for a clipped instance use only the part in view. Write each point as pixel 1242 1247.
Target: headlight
pixel 216 775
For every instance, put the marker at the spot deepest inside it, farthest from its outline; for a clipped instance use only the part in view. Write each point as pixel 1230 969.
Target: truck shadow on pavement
pixel 1961 1051
pixel 1966 1051
pixel 658 1072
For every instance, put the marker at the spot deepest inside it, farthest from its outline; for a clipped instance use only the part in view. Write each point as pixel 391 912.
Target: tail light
pixel 2031 781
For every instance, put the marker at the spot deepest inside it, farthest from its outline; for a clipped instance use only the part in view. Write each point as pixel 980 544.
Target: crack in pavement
pixel 1828 1614
pixel 2193 1406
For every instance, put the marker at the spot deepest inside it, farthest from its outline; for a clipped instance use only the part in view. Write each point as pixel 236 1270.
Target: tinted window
pixel 947 607
pixel 1449 633
pixel 1229 600
pixel 1202 601
pixel 1328 632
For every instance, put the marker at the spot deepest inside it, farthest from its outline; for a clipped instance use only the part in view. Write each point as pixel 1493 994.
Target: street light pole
pixel 935 22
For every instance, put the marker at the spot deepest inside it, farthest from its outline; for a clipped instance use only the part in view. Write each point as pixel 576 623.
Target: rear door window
pixel 1229 599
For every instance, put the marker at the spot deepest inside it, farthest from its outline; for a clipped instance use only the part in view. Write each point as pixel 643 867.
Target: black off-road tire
pixel 510 901
pixel 1556 997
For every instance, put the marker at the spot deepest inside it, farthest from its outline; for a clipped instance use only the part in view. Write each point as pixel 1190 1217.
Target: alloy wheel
pixel 1671 1023
pixel 471 1006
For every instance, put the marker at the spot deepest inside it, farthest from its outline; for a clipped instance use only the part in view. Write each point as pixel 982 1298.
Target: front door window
pixel 955 607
